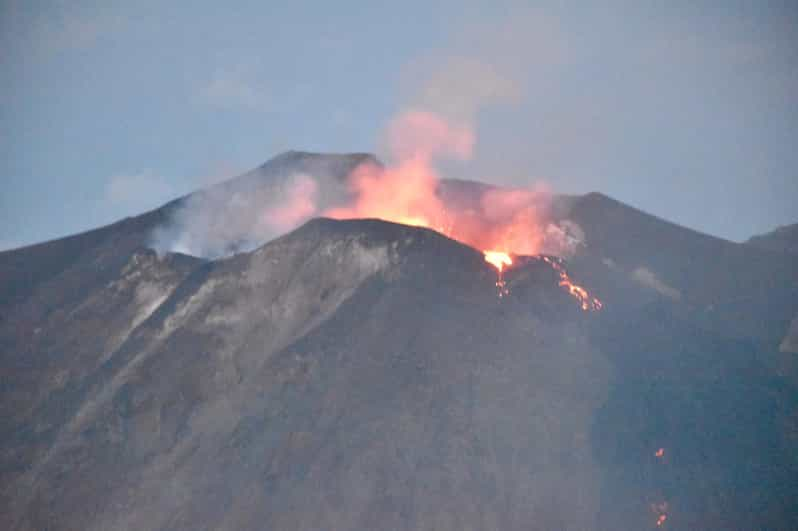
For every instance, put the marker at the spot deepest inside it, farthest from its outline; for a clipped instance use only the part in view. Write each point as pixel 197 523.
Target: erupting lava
pixel 586 301
pixel 498 259
pixel 406 192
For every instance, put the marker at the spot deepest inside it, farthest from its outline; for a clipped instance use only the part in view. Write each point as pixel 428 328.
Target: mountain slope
pixel 305 371
pixel 361 374
pixel 783 240
pixel 734 289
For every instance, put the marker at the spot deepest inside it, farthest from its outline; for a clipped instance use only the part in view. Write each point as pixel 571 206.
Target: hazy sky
pixel 111 108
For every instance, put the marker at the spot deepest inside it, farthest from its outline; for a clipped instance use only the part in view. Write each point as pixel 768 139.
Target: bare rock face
pixel 366 375
pixel 783 240
pixel 790 341
pixel 346 376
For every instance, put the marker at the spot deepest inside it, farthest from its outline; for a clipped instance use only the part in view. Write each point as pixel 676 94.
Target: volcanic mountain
pixel 361 374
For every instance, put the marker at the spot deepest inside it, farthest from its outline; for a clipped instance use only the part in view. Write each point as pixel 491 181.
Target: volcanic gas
pixel 501 223
pixel 505 220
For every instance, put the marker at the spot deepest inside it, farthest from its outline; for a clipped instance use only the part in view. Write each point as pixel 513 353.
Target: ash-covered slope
pixel 350 375
pixel 362 374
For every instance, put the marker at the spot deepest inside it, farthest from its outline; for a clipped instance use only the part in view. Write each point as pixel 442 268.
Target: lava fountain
pixel 499 259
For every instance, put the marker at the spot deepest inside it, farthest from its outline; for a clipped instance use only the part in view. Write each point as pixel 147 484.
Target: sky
pixel 686 110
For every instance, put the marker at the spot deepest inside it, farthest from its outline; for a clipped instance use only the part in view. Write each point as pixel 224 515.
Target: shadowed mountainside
pixel 783 239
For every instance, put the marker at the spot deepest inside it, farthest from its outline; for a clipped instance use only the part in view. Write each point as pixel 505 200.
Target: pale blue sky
pixel 687 111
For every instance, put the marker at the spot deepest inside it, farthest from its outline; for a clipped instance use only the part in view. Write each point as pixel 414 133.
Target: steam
pixel 438 125
pixel 410 191
pixel 462 86
pixel 406 192
pixel 219 221
pixel 242 214
pixel 483 70
pixel 647 278
pixel 300 204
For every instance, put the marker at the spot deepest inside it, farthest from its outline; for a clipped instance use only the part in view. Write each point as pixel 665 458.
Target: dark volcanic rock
pixel 734 289
pixel 783 240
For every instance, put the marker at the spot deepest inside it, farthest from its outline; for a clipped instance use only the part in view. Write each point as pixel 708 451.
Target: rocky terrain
pixel 783 239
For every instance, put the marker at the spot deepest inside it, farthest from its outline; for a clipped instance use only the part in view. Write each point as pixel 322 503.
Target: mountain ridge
pixel 782 239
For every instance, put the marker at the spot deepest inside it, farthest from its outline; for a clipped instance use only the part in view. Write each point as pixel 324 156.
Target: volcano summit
pixel 197 367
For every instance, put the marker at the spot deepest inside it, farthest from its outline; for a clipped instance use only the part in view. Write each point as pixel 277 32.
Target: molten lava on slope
pixel 498 260
pixel 504 222
pixel 586 301
pixel 519 232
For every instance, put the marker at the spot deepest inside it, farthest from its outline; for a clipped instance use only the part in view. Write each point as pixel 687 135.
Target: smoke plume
pixel 220 221
pixel 438 126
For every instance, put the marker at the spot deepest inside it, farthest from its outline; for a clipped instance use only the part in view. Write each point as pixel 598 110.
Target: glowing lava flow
pixel 586 301
pixel 499 259
pixel 661 510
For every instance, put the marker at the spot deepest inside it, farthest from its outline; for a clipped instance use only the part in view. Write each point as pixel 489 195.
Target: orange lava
pixel 586 301
pixel 406 191
pixel 661 510
pixel 498 259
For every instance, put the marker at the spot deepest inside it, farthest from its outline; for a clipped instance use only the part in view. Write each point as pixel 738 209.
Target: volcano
pixel 363 374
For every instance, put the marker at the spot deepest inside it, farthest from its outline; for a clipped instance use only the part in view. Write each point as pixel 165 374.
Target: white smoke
pixel 646 277
pixel 220 221
pixel 563 238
